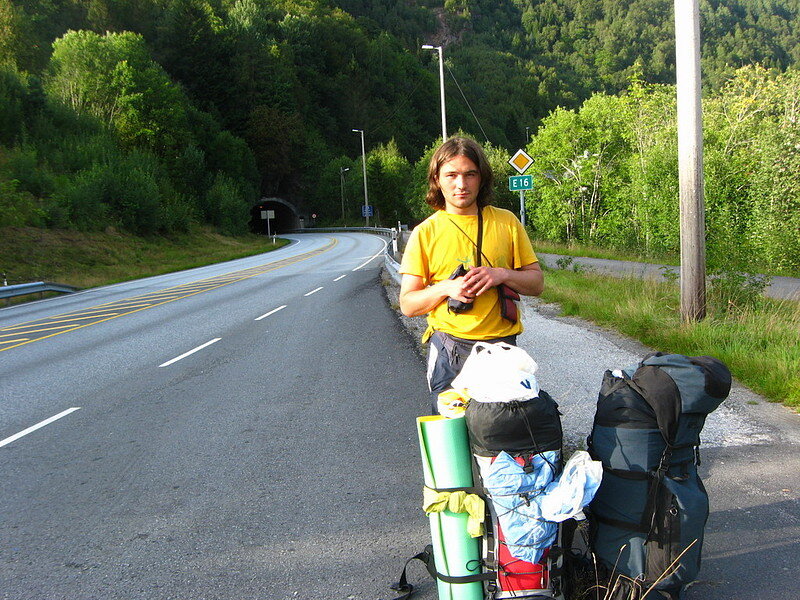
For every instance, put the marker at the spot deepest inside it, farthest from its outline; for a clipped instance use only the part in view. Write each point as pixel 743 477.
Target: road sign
pixel 518 183
pixel 367 211
pixel 520 161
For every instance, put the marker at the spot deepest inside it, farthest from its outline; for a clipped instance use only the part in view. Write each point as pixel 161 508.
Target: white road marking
pixel 272 312
pixel 340 277
pixel 313 291
pixel 185 354
pixel 25 432
pixel 364 264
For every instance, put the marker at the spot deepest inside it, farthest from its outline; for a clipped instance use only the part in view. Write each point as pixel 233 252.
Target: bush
pixel 18 208
pixel 124 192
pixel 734 291
pixel 175 214
pixel 226 207
pixel 23 166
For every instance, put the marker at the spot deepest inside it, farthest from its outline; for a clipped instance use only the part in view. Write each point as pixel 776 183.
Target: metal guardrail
pixel 377 230
pixel 22 289
pixel 384 231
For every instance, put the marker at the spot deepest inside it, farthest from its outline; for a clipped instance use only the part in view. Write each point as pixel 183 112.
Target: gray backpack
pixel 650 512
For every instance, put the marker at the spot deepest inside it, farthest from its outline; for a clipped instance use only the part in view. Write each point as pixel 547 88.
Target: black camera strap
pixel 478 247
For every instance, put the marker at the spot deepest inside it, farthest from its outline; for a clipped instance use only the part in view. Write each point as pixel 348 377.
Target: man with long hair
pixel 460 262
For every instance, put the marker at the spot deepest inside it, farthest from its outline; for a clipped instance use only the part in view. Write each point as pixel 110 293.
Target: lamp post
pixel 364 165
pixel 342 171
pixel 441 87
pixel 527 135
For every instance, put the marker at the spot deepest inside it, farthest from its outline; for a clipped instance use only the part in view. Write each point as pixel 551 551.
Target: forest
pixel 152 116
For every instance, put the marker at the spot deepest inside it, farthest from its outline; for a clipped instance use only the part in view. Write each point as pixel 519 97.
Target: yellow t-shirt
pixel 435 249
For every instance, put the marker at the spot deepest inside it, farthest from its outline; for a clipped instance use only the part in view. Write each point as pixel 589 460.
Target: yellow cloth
pixel 456 502
pixel 435 249
pixel 452 403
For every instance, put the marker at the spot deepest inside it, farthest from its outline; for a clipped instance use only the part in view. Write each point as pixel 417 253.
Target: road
pixel 779 287
pixel 278 461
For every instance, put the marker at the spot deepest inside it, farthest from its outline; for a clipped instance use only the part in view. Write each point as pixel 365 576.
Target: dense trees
pixel 153 114
pixel 609 173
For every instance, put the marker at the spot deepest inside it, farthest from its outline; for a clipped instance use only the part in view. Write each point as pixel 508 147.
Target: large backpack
pixel 650 511
pixel 529 433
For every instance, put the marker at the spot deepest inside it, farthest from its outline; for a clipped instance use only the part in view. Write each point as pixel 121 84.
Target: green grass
pixel 759 343
pixel 92 259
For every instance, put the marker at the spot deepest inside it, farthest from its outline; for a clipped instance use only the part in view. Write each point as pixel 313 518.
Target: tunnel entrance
pixel 285 217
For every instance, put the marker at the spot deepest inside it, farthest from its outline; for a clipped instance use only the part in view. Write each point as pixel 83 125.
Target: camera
pixel 454 305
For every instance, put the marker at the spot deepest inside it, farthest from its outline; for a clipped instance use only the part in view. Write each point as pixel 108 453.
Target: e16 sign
pixel 518 183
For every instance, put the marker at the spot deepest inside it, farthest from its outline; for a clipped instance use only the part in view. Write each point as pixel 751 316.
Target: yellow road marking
pixel 167 295
pixel 34 330
pixel 37 323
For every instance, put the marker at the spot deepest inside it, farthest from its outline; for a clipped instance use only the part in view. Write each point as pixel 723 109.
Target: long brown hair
pixel 459 146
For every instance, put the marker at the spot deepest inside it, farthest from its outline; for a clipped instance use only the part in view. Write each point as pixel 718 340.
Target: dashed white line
pixel 272 312
pixel 25 432
pixel 185 354
pixel 313 291
pixel 340 277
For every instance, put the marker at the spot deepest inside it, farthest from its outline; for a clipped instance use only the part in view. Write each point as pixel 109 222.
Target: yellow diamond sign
pixel 521 161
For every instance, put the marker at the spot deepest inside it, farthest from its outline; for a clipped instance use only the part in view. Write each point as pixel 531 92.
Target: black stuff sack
pixel 650 512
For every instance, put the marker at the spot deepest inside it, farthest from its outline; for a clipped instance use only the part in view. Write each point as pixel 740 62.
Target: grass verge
pixel 760 342
pixel 92 259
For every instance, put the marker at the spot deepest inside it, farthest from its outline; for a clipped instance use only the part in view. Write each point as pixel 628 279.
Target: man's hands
pixel 480 279
pixel 416 299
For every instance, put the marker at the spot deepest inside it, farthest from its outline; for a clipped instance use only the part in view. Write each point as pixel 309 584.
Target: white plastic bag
pixel 498 373
pixel 573 489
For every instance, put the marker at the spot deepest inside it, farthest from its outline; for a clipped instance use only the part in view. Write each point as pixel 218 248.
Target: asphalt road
pixel 279 461
pixel 778 287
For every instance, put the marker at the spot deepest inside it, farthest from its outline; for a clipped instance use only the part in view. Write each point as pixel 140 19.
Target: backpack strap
pixel 426 557
pixel 662 394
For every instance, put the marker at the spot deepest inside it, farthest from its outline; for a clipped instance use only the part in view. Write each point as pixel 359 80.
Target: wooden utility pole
pixel 690 160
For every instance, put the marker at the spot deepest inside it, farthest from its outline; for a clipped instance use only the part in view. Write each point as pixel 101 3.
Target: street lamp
pixel 342 171
pixel 441 87
pixel 527 135
pixel 364 164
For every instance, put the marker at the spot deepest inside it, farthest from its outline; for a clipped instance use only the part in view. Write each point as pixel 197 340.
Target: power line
pixel 486 137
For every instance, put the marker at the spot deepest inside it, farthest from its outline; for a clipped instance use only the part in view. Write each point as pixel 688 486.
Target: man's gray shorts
pixel 446 356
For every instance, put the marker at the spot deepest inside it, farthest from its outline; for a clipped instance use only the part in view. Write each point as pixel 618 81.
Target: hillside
pixel 151 115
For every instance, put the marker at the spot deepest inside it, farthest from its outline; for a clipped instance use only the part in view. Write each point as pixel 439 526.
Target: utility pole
pixel 342 171
pixel 364 167
pixel 690 160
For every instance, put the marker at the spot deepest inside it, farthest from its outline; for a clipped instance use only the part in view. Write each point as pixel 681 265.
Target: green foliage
pixel 124 191
pixel 236 98
pixel 609 172
pixel 18 208
pixel 113 78
pixel 389 174
pixel 227 206
pixel 418 188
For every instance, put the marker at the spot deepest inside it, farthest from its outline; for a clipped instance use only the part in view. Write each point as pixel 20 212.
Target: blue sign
pixel 518 183
pixel 367 211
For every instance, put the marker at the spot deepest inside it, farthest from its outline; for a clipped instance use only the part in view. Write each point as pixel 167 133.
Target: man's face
pixel 460 180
